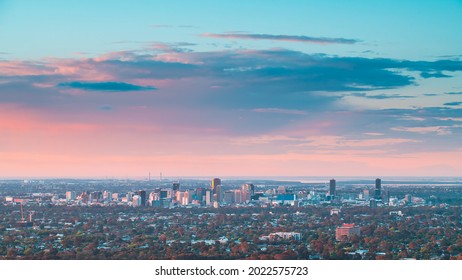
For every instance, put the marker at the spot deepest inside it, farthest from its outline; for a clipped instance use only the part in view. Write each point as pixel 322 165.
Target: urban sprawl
pixel 229 219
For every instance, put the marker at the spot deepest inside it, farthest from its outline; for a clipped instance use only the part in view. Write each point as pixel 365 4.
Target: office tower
pixel 153 196
pixel 179 197
pixel 378 189
pixel 237 196
pixel 70 195
pixel 215 182
pixel 165 193
pixel 245 196
pixel 107 196
pixel 408 199
pixel 386 196
pixel 208 197
pixel 136 200
pixel 228 197
pixel 249 188
pixel 129 196
pixel 332 188
pixel 216 189
pixel 373 203
pixel 218 195
pixel 281 190
pixel 96 196
pixel 200 194
pixel 84 197
pixel 175 187
pixel 186 198
pixel 142 195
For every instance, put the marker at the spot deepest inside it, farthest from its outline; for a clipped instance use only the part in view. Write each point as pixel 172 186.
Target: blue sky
pixel 397 29
pixel 231 87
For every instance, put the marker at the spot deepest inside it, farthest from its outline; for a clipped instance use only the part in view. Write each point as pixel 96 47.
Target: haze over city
pixel 230 88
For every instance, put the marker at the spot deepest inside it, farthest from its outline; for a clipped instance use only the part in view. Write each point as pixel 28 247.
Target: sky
pixel 230 88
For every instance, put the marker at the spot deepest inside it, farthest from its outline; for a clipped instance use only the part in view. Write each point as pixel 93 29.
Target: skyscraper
pixel 136 200
pixel 215 182
pixel 216 189
pixel 175 187
pixel 142 195
pixel 70 195
pixel 332 188
pixel 208 197
pixel 250 188
pixel 378 189
pixel 218 193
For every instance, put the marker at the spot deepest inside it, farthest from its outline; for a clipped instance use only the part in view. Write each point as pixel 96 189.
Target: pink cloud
pixel 440 130
pixel 23 68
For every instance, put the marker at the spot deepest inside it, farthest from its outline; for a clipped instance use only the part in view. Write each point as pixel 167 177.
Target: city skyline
pixel 118 89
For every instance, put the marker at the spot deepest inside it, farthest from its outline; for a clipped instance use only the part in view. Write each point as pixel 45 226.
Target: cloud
pixel 381 96
pixel 286 38
pixel 105 86
pixel 434 75
pixel 279 111
pixel 242 92
pixel 171 47
pixel 450 119
pixel 439 130
pixel 412 118
pixel 453 103
pixel 373 133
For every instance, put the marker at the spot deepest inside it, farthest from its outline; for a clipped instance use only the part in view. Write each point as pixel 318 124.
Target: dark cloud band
pixel 105 86
pixel 287 38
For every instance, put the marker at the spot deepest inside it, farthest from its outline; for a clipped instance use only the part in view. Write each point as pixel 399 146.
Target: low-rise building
pixel 346 231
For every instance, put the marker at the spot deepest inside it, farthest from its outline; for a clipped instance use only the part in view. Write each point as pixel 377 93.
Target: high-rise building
pixel 199 195
pixel 136 200
pixel 218 194
pixel 129 196
pixel 179 197
pixel 237 196
pixel 96 196
pixel 187 197
pixel 165 193
pixel 249 188
pixel 281 190
pixel 373 203
pixel 70 195
pixel 84 197
pixel 228 197
pixel 107 196
pixel 142 195
pixel 216 189
pixel 215 182
pixel 378 189
pixel 208 197
pixel 332 188
pixel 386 196
pixel 175 187
pixel 366 195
